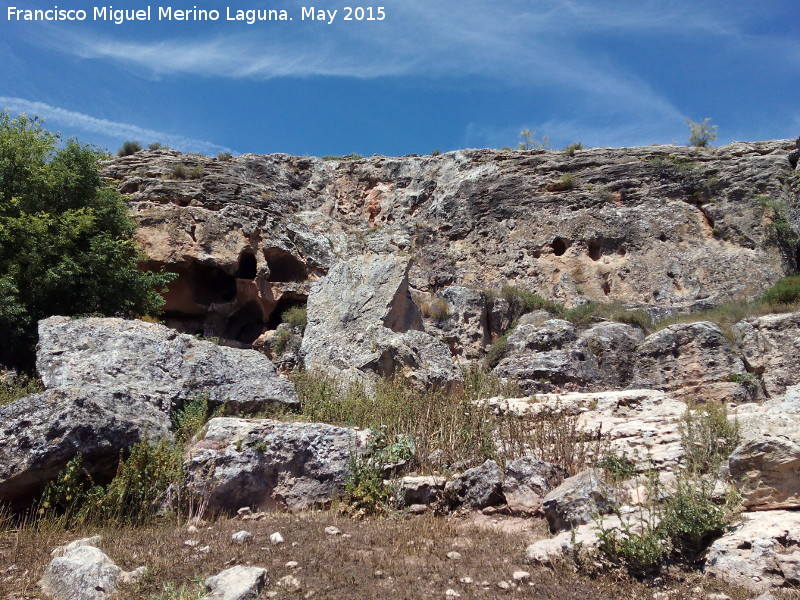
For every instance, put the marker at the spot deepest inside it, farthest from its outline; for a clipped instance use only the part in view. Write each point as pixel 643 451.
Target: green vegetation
pixel 129 148
pixel 679 523
pixel 437 309
pixel 436 152
pixel 296 317
pixel 156 146
pixel 66 241
pixel 353 156
pixel 498 350
pixel 701 134
pixel 528 141
pixel 567 182
pixel 572 148
pixel 181 171
pixel 224 156
pixel 14 386
pixel 780 221
pixel 786 291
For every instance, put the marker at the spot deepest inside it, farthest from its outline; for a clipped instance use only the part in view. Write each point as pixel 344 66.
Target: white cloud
pixel 113 129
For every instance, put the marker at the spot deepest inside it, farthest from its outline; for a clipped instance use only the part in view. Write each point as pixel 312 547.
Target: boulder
pixel 641 425
pixel 527 481
pixel 582 538
pixel 614 347
pixel 41 433
pixel 771 349
pixel 760 553
pixel 362 323
pixel 549 357
pixel 693 361
pixel 423 489
pixel 266 464
pixel 578 500
pixel 236 583
pixel 767 471
pixel 478 487
pixel 81 571
pixel 155 364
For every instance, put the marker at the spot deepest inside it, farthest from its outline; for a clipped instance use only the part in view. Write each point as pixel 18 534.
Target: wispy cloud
pixel 112 129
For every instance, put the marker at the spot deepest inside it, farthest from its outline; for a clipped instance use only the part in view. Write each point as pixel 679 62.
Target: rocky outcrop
pixel 691 360
pixel 767 471
pixel 461 315
pixel 266 464
pixel 420 489
pixel 153 363
pixel 578 500
pixel 614 346
pixel 40 434
pixel 362 322
pixel 81 571
pixel 760 553
pixel 771 349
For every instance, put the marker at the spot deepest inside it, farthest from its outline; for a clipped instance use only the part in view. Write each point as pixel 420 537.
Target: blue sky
pixel 435 74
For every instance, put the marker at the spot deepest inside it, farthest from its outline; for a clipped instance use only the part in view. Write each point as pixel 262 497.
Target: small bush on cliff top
pixel 129 148
pixel 66 241
pixel 786 291
pixel 701 134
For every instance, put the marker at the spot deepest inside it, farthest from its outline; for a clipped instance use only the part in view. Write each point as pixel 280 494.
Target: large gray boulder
pixel 770 345
pixel 527 481
pixel 693 361
pixel 362 323
pixel 478 487
pixel 39 434
pixel 578 500
pixel 614 346
pixel 267 464
pixel 156 364
pixel 549 357
pixel 759 553
pixel 236 583
pixel 81 571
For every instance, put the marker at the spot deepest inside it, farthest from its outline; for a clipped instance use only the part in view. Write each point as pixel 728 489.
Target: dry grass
pixel 403 558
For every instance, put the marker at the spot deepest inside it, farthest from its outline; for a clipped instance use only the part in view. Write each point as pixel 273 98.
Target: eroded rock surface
pixel 527 481
pixel 266 464
pixel 771 347
pixel 236 583
pixel 578 500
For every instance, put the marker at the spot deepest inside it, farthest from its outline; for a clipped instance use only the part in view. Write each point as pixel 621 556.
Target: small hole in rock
pixel 593 246
pixel 247 266
pixel 559 246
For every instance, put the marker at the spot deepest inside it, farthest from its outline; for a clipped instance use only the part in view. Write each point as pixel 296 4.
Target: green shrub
pixel 785 291
pixel 572 148
pixel 591 312
pixel 522 301
pixel 280 340
pixel 13 387
pixel 189 420
pixel 155 146
pixel 129 148
pixel 436 152
pixel 498 351
pixel 296 317
pixel 66 240
pixel 224 156
pixel 708 437
pixel 618 467
pixel 181 171
pixel 353 156
pixel 528 141
pixel 701 134
pixel 567 182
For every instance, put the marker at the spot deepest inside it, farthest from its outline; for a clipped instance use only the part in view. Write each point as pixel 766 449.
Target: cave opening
pixel 286 302
pixel 283 266
pixel 247 266
pixel 245 325
pixel 211 285
pixel 593 246
pixel 559 246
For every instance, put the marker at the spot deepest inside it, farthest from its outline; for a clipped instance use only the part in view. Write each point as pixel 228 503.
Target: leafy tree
pixel 701 134
pixel 66 242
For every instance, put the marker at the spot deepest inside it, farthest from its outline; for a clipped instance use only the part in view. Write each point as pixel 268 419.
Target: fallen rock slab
pixel 578 500
pixel 154 363
pixel 267 464
pixel 527 481
pixel 478 487
pixel 762 552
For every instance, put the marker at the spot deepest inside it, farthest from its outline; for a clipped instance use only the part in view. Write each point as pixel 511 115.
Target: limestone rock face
pixel 549 357
pixel 478 487
pixel 614 346
pixel 760 553
pixel 578 500
pixel 362 322
pixel 154 363
pixel 236 583
pixel 266 464
pixel 771 347
pixel 41 433
pixel 527 481
pixel 466 327
pixel 767 470
pixel 691 360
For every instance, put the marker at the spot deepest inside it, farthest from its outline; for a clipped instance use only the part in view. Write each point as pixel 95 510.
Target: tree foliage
pixel 701 134
pixel 66 242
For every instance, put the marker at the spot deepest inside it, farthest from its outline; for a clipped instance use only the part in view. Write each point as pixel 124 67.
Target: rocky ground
pixel 415 270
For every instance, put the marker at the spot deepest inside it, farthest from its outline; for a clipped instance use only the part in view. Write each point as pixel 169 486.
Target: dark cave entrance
pixel 245 325
pixel 247 266
pixel 559 246
pixel 211 285
pixel 283 266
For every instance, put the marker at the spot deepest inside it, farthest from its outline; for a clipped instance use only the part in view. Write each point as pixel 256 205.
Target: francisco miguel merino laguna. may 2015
pixel 169 13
